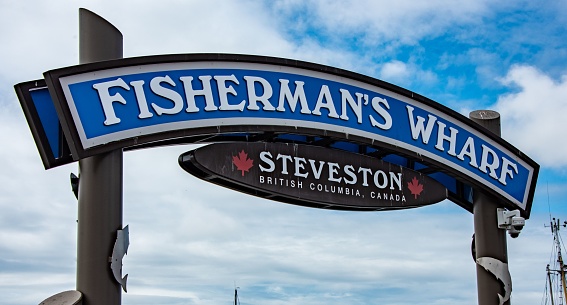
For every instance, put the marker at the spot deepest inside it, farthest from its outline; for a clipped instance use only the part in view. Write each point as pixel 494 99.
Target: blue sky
pixel 192 242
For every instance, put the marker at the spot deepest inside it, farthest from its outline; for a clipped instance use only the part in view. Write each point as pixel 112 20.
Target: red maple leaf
pixel 415 188
pixel 242 162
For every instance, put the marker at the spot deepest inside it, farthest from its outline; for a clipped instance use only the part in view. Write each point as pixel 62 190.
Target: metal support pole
pixel 550 285
pixel 490 241
pixel 100 183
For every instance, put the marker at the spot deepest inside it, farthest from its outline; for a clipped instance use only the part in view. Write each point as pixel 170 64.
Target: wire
pixel 545 295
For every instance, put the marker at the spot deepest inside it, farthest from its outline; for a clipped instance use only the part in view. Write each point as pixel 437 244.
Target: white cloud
pixel 37 219
pixel 394 70
pixel 405 21
pixel 406 74
pixel 533 117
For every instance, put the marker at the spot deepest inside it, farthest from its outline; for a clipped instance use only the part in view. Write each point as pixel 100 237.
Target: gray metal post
pixel 490 241
pixel 100 183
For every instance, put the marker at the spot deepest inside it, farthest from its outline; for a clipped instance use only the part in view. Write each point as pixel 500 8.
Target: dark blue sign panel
pixel 134 101
pixel 44 123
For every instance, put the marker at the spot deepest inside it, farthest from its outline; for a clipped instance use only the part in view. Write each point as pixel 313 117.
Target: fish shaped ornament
pixel 501 272
pixel 120 249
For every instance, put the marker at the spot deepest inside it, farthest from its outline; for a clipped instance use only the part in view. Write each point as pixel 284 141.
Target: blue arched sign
pixel 149 101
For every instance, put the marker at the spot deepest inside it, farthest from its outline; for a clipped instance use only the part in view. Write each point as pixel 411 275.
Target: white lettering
pixel 356 107
pixel 376 102
pixel 395 179
pixel 365 172
pixel 333 171
pixel 485 162
pixel 468 150
pixel 452 139
pixel 141 99
pixel 349 170
pixel 380 174
pixel 106 99
pixel 316 171
pixel 325 94
pixel 190 93
pixel 299 95
pixel 506 170
pixel 417 128
pixel 284 163
pixel 300 165
pixel 253 97
pixel 224 91
pixel 266 157
pixel 170 94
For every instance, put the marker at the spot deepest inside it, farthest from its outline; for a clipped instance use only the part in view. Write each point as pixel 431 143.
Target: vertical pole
pixel 555 226
pixel 100 183
pixel 550 285
pixel 490 241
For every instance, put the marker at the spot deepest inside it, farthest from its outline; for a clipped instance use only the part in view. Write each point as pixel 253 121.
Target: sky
pixel 192 242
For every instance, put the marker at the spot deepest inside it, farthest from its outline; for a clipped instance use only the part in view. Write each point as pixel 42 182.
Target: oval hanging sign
pixel 312 176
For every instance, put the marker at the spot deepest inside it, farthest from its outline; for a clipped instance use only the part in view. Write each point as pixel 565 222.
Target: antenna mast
pixel 236 301
pixel 550 285
pixel 555 226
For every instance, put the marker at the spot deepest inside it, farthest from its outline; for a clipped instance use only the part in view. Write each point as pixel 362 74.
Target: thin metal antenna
pixel 236 302
pixel 548 204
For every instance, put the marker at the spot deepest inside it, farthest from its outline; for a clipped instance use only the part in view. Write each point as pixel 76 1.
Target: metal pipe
pixel 100 183
pixel 490 241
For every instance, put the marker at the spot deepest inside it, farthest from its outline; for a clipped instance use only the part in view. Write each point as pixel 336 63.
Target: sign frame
pixel 201 133
pixel 312 176
pixel 44 124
